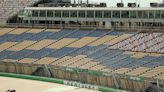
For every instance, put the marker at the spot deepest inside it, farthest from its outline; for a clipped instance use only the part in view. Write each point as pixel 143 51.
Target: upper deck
pixel 137 14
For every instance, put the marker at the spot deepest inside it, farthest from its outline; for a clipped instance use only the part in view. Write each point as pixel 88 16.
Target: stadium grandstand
pixel 82 45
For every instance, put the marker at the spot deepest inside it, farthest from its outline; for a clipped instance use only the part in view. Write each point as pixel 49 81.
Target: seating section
pixel 99 50
pixel 9 8
pixel 143 42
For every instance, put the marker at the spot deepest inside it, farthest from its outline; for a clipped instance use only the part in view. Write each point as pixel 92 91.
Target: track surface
pixel 22 85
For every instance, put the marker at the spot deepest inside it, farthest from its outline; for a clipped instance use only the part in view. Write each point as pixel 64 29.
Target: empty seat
pixel 40 53
pixel 41 44
pixel 61 43
pixel 82 42
pixel 21 46
pixel 6 45
pixel 5 31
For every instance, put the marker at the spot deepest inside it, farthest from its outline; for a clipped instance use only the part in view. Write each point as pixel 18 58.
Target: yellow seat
pixel 102 40
pixel 61 43
pixel 22 45
pixel 41 44
pixel 137 71
pixel 65 58
pixel 52 30
pixel 6 45
pixel 19 31
pixel 27 60
pixel 35 31
pixel 118 39
pixel 5 30
pixel 9 60
pixel 122 70
pixel 140 55
pixel 82 42
pixel 45 60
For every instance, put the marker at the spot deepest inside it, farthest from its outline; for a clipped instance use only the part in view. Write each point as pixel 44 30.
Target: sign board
pixel 134 78
pixel 81 85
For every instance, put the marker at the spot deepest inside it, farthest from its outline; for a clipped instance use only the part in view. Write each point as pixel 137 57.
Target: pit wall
pixel 125 82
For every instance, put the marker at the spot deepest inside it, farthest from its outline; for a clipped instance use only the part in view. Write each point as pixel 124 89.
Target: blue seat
pixel 40 36
pixel 148 58
pixel 78 34
pixel 6 37
pixel 82 51
pixel 97 33
pixel 20 54
pixel 41 53
pixel 115 33
pixel 21 37
pixel 61 52
pixel 6 53
pixel 152 64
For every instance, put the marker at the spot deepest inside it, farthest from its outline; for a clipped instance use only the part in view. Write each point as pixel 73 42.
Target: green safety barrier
pixel 141 79
pixel 45 79
pixel 99 73
pixel 86 71
pixel 53 80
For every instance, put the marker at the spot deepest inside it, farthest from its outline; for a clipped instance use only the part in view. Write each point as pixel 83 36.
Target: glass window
pixel 162 14
pixel 107 14
pixel 49 13
pixel 57 13
pixel 65 13
pixel 140 13
pixel 146 14
pixel 133 14
pixel 125 14
pixel 151 14
pixel 98 14
pixel 90 14
pixel 28 13
pixel 157 14
pixel 82 14
pixel 42 13
pixel 116 14
pixel 35 13
pixel 73 13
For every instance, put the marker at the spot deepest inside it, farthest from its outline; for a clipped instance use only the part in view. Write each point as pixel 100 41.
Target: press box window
pixel 162 14
pixel 158 14
pixel 49 13
pixel 145 14
pixel 98 14
pixel 35 13
pixel 65 13
pixel 107 14
pixel 90 14
pixel 42 13
pixel 151 14
pixel 133 14
pixel 82 14
pixel 73 13
pixel 125 14
pixel 57 13
pixel 116 14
